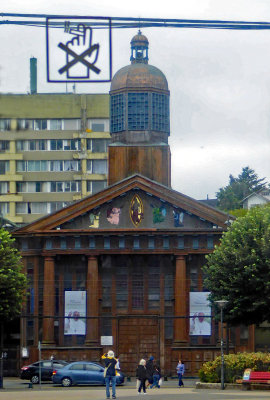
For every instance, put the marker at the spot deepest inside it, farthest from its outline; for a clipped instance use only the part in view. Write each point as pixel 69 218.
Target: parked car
pixel 83 373
pixel 31 372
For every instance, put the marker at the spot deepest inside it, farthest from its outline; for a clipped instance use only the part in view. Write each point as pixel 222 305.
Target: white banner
pixel 200 312
pixel 75 309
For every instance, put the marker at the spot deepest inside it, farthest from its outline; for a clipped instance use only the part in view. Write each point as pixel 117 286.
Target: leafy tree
pixel 239 269
pixel 12 279
pixel 230 197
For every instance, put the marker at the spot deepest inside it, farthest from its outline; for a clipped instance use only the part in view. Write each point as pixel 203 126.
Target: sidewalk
pixel 130 393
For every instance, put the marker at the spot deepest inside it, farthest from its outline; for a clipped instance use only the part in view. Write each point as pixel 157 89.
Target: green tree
pixel 12 279
pixel 230 197
pixel 239 269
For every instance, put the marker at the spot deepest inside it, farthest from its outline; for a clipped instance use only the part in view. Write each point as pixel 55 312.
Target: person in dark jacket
pixel 156 376
pixel 150 370
pixel 110 363
pixel 141 375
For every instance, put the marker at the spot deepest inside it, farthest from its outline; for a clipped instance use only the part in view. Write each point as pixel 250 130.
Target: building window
pixel 4 187
pixel 25 124
pixel 136 243
pixel 98 127
pixel 118 112
pixel 4 124
pixel 98 145
pixel 40 124
pixel 180 244
pixel 137 288
pixel 92 243
pixel 4 208
pixel 97 166
pixel 55 124
pixel 96 186
pixel 4 167
pixel 138 111
pixel 107 243
pixel 4 145
pixel 151 242
pixel 52 166
pixel 67 186
pixel 195 243
pixel 71 124
pixel 122 287
pixel 122 243
pixel 160 112
pixel 166 242
pixel 153 287
pixel 210 242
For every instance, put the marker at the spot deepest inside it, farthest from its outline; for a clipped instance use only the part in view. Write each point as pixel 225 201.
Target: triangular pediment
pixel 135 203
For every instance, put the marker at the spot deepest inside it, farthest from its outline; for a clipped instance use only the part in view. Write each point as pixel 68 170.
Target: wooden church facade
pixel 119 269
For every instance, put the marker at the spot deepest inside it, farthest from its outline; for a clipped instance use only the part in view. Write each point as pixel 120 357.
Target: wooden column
pixel 162 320
pixel 180 287
pixel 48 301
pixel 92 336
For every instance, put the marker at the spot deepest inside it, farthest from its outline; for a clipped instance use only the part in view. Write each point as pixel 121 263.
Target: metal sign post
pixel 39 357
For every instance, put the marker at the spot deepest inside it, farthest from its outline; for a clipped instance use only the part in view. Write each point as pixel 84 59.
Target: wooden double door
pixel 138 338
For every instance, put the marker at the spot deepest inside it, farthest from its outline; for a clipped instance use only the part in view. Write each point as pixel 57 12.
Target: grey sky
pixel 219 80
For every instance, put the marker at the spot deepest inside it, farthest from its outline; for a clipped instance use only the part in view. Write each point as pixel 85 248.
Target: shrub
pixel 234 366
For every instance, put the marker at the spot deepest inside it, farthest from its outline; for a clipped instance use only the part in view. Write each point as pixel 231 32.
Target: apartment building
pixel 53 151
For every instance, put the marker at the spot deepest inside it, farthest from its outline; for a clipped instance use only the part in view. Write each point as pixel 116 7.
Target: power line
pixel 127 23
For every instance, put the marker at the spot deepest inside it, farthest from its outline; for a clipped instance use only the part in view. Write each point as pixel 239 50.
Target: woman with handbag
pixel 110 373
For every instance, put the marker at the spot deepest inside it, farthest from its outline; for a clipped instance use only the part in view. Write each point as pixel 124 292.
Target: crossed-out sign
pixel 79 52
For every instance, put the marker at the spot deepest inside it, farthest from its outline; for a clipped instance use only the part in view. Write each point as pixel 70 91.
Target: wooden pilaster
pixel 180 324
pixel 92 334
pixel 48 301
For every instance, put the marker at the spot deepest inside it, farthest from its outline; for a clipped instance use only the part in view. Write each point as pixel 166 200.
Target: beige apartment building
pixel 53 151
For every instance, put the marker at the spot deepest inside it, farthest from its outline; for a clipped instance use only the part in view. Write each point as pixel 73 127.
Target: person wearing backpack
pixel 110 373
pixel 156 376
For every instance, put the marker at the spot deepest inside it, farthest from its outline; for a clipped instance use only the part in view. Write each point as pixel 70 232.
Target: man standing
pixel 110 373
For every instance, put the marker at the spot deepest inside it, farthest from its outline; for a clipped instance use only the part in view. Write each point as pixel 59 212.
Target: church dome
pixel 139 75
pixel 139 99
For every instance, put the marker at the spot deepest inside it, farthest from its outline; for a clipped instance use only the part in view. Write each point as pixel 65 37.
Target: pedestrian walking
pixel 156 376
pixel 110 373
pixel 150 370
pixel 180 372
pixel 141 376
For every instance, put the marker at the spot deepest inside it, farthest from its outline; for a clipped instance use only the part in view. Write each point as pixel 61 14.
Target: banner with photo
pixel 75 311
pixel 200 314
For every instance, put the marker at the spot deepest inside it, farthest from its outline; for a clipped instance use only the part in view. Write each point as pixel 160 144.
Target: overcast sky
pixel 219 80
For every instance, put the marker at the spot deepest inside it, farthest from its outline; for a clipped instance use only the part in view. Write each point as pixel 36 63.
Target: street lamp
pixel 221 304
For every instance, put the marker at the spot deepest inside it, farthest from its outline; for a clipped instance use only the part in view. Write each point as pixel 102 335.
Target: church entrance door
pixel 137 338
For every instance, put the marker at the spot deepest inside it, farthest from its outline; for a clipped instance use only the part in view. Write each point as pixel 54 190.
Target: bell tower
pixel 139 119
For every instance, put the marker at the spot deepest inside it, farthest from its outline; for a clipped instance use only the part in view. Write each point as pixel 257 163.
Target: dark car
pixel 83 373
pixel 31 372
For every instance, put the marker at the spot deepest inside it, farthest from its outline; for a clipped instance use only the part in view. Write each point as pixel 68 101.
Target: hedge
pixel 234 366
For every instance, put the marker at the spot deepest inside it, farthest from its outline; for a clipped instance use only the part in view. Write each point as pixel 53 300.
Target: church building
pixel 122 269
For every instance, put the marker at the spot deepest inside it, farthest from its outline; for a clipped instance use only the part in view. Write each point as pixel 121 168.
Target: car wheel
pixel 34 379
pixel 66 382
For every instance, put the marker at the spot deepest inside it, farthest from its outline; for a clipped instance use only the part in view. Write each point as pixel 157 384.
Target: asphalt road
pixel 15 389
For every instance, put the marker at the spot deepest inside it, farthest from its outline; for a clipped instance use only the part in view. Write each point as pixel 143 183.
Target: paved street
pixel 16 389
